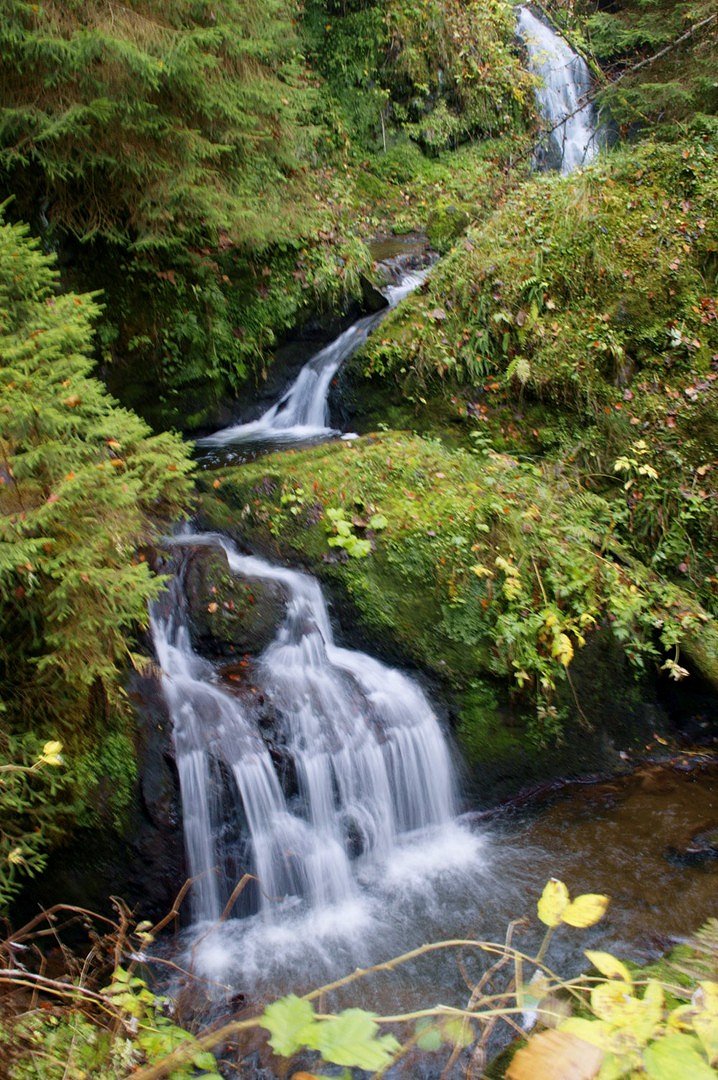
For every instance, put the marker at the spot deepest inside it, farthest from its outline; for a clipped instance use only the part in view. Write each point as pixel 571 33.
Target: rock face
pixel 229 616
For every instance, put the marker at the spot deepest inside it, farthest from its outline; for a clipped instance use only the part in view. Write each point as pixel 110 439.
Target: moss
pixel 485 565
pixel 445 225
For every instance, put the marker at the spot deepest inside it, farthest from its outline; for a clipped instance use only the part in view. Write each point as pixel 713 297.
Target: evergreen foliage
pixel 83 485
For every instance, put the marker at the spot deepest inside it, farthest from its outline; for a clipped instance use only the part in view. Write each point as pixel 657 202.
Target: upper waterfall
pixel 565 82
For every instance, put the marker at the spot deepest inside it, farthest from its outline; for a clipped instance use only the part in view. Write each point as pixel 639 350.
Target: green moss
pixel 485 566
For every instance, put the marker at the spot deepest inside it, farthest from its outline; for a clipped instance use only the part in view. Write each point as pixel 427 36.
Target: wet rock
pixel 372 300
pixel 229 616
pixel 701 848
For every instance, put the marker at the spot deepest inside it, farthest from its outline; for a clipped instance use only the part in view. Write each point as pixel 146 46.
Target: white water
pixel 564 84
pixel 371 762
pixel 302 414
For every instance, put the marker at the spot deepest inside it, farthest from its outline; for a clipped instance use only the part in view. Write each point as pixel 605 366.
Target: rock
pixel 372 300
pixel 446 224
pixel 229 615
pixel 700 848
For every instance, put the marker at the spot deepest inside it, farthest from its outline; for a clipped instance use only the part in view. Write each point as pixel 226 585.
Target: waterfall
pixel 301 414
pixel 371 762
pixel 564 84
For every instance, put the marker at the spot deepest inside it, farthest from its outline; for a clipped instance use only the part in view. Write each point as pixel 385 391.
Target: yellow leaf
pixel 563 649
pixel 556 1055
pixel 553 902
pixel 481 571
pixel 585 910
pixel 51 753
pixel 609 966
pixel 610 999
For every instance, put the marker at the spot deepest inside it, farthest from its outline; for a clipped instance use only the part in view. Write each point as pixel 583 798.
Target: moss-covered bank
pixel 489 572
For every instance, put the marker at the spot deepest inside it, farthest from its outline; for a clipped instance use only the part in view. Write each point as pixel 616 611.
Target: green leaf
pixel 289 1022
pixel 677 1057
pixel 351 1039
pixel 378 522
pixel 430 1038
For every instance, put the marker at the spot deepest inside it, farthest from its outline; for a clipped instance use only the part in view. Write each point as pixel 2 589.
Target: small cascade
pixel 302 414
pixel 371 762
pixel 565 82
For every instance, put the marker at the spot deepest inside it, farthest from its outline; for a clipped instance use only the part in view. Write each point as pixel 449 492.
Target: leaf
pixel 351 1039
pixel 563 651
pixel 706 1028
pixel 676 1057
pixel 429 1035
pixel 378 522
pixel 609 966
pixel 595 1032
pixel 609 1001
pixel 458 1032
pixel 554 901
pixel 586 910
pixel 556 1055
pixel 290 1023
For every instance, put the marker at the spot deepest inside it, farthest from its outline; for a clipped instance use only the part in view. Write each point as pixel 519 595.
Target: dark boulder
pixel 229 615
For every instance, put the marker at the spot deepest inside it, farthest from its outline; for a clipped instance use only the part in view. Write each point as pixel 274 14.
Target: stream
pixel 352 821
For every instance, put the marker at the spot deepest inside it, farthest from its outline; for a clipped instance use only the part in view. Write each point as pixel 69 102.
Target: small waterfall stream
pixel 350 799
pixel 371 762
pixel 561 94
pixel 302 414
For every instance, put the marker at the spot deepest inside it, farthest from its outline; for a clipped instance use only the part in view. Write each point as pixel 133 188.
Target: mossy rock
pixel 481 565
pixel 228 615
pixel 445 225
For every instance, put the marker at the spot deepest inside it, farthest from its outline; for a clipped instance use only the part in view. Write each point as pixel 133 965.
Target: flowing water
pixel 370 760
pixel 330 779
pixel 301 414
pixel 564 83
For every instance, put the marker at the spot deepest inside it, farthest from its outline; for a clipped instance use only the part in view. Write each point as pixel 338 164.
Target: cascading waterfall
pixel 565 82
pixel 371 762
pixel 302 414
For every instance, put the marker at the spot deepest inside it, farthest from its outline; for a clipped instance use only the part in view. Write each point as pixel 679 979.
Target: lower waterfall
pixel 372 765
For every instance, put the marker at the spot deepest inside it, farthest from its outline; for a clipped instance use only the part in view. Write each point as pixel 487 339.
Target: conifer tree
pixel 83 484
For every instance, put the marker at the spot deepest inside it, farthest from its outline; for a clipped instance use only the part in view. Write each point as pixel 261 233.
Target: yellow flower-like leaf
pixel 610 1001
pixel 554 901
pixel 609 966
pixel 585 910
pixel 51 753
pixel 563 649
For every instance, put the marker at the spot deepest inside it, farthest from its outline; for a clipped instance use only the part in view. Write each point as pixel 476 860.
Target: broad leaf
pixel 677 1057
pixel 609 966
pixel 585 910
pixel 556 1055
pixel 289 1022
pixel 352 1039
pixel 553 902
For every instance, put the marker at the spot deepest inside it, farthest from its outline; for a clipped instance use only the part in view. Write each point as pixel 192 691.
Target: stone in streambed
pixel 229 615
pixel 701 848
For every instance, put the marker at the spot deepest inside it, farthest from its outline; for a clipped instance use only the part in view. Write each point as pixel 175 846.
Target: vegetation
pixel 616 1021
pixel 190 162
pixel 83 486
pixel 480 564
pixel 184 184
